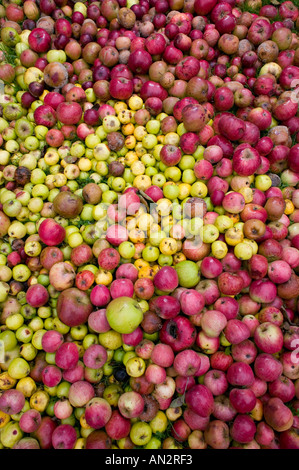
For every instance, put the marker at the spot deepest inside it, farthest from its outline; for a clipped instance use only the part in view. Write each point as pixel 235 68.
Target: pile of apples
pixel 149 224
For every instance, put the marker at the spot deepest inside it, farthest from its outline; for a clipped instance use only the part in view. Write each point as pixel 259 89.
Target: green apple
pixel 124 315
pixel 155 238
pixel 188 273
pixel 5 98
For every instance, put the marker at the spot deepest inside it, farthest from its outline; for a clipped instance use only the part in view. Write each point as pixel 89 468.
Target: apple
pixel 277 415
pixel 45 115
pixel 67 355
pixel 12 401
pixel 178 332
pixel 170 155
pixel 165 306
pixel 200 400
pixel 118 427
pixel 97 412
pixel 216 435
pixel 216 382
pixel 166 279
pixel 213 322
pixel 130 404
pixel 62 276
pixel 243 429
pixel 73 306
pixel 186 363
pixel 240 374
pixel 124 314
pixel 39 40
pixel 268 337
pixel 37 295
pixel 98 440
pixel 188 273
pixel 192 302
pixel 69 113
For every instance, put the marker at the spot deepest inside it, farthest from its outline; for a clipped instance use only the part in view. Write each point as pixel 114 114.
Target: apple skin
pixel 51 232
pixel 4 224
pixel 52 340
pixel 131 404
pixel 62 276
pixel 216 435
pixel 246 160
pixel 37 295
pixel 243 429
pixel 267 367
pixel 166 279
pixel 278 415
pixel 213 322
pixel 39 40
pixel 200 399
pixel 178 332
pixel 73 307
pixel 98 439
pixel 69 113
pixel 45 115
pixel 118 427
pixel 192 302
pixel 268 337
pixel 188 273
pixel 165 306
pixel 124 315
pixel 12 401
pixel 44 432
pixel 289 439
pixel 98 412
pixel 49 256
